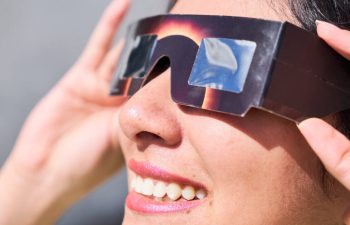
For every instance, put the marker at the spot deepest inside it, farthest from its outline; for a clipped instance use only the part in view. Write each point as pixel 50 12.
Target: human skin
pixel 67 145
pixel 258 169
pixel 268 175
pixel 332 147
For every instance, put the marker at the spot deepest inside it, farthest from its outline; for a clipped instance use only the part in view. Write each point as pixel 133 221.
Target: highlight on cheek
pixel 184 28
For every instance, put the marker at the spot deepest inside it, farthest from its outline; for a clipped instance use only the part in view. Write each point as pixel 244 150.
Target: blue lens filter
pixel 222 64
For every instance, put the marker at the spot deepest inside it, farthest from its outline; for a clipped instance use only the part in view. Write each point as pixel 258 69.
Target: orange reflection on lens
pixel 210 100
pixel 188 29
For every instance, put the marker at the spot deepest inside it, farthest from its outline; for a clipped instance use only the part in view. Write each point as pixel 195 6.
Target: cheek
pixel 255 165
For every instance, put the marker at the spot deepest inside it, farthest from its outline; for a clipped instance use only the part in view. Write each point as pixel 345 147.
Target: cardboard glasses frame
pixel 232 64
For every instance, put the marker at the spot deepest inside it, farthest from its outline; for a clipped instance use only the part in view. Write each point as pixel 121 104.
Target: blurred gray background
pixel 39 41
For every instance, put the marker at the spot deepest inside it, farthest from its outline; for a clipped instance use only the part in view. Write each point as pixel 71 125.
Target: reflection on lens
pixel 222 64
pixel 136 57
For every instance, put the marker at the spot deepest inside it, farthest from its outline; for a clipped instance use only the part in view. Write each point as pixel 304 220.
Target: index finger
pixel 332 147
pixel 335 37
pixel 102 38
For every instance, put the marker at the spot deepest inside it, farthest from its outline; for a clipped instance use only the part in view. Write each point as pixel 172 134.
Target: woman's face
pixel 252 170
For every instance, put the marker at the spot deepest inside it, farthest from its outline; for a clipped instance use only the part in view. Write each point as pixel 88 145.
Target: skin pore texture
pixel 257 170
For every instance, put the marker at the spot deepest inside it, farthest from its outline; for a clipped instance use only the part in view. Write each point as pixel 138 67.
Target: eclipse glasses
pixel 232 64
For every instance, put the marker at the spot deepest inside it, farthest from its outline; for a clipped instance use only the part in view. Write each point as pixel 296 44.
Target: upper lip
pixel 145 169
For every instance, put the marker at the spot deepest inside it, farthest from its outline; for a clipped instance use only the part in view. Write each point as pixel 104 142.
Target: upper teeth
pixel 160 190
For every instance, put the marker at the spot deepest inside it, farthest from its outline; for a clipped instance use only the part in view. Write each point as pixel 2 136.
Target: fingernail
pixel 326 24
pixel 321 22
pixel 303 125
pixel 326 30
pixel 318 22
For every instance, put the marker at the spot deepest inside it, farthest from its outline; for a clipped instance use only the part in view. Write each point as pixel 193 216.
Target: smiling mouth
pixel 154 190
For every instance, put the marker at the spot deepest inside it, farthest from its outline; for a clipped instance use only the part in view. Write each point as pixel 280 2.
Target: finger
pixel 102 38
pixel 332 147
pixel 109 64
pixel 337 38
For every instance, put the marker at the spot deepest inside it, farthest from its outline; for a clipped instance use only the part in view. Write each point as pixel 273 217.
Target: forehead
pixel 262 9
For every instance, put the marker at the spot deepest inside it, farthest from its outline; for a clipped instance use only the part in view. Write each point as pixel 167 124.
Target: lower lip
pixel 142 204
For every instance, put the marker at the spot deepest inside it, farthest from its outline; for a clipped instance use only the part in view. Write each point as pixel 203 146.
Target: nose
pixel 150 116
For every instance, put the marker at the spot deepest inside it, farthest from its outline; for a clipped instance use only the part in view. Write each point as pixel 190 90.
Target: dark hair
pixel 336 12
pixel 333 11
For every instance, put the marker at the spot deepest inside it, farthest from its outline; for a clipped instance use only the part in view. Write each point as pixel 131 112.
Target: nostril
pixel 145 139
pixel 148 137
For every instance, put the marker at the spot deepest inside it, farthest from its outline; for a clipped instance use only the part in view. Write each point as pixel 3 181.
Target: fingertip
pixel 326 30
pixel 104 33
pixel 315 130
pixel 335 37
pixel 116 11
pixel 120 3
pixel 310 124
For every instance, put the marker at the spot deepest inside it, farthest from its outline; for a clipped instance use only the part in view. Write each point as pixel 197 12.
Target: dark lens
pixel 136 57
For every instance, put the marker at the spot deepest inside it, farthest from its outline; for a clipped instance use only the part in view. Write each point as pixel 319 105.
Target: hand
pixel 332 147
pixel 68 144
